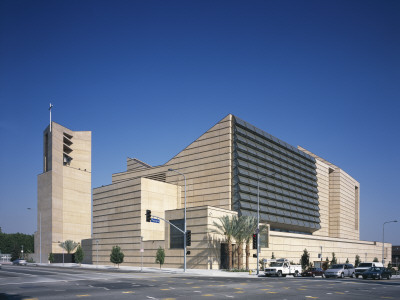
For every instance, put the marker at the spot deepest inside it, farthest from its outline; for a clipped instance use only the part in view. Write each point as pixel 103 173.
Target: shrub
pixel 305 259
pixel 116 256
pixel 79 255
pixel 357 261
pixel 160 256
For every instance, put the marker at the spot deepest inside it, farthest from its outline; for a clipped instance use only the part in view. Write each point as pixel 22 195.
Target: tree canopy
pixel 11 243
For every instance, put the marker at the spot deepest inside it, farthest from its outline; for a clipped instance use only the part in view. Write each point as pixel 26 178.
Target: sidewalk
pixel 198 272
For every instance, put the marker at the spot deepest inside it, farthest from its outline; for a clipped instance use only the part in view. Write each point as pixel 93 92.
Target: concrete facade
pixel 307 201
pixel 64 190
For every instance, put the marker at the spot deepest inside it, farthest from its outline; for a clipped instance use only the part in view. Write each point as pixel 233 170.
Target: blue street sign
pixel 155 220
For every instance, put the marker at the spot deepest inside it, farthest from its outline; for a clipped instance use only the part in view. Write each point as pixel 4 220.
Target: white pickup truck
pixel 281 267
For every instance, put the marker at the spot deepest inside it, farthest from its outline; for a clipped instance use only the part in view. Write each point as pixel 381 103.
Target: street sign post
pixel 154 220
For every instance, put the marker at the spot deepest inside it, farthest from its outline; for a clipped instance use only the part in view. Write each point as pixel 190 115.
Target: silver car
pixel 340 271
pixel 19 262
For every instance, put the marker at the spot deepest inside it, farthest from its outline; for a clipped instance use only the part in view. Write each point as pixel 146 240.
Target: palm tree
pixel 68 246
pixel 249 228
pixel 240 234
pixel 226 227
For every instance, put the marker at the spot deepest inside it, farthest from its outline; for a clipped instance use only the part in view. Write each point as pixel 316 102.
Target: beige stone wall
pixel 323 197
pixel 339 197
pixel 206 164
pixel 205 249
pixel 119 217
pixel 64 191
pixel 342 204
pixel 291 246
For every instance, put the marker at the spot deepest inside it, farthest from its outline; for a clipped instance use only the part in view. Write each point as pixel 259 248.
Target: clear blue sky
pixel 148 77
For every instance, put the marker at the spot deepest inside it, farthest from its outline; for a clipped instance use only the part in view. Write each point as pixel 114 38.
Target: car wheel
pixel 352 275
pixel 313 275
pixel 279 273
pixel 323 275
pixel 379 277
pixel 357 276
pixel 342 275
pixel 389 276
pixel 364 277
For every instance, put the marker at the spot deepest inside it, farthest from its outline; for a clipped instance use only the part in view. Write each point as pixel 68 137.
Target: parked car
pixel 377 273
pixel 313 272
pixel 362 267
pixel 340 270
pixel 19 262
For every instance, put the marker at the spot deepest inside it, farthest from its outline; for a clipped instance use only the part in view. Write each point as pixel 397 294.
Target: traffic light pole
pixel 183 232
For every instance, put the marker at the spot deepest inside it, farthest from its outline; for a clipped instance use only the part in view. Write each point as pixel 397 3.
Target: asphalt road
pixel 41 283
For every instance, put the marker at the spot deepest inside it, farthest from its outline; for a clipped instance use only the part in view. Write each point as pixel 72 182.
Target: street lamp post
pixel 40 235
pixel 258 220
pixel 321 256
pixel 141 253
pixel 383 240
pixel 184 222
pixel 97 253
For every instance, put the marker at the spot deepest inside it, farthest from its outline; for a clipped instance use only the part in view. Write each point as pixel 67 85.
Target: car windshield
pixel 374 269
pixel 276 264
pixel 365 265
pixel 336 267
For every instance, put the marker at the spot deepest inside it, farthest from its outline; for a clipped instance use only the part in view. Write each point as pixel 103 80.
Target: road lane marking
pixel 272 292
pixel 86 295
pixel 208 295
pixel 128 292
pixel 164 289
pixel 239 292
pixel 311 297
pixel 339 293
pixel 169 298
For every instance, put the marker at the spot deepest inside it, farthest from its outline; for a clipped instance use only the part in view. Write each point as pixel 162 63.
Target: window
pixel 264 239
pixel 175 236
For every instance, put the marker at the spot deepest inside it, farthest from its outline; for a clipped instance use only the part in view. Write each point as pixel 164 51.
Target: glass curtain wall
pixel 287 180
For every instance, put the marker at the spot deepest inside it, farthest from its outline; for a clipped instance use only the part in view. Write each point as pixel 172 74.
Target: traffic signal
pixel 148 215
pixel 188 237
pixel 255 241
